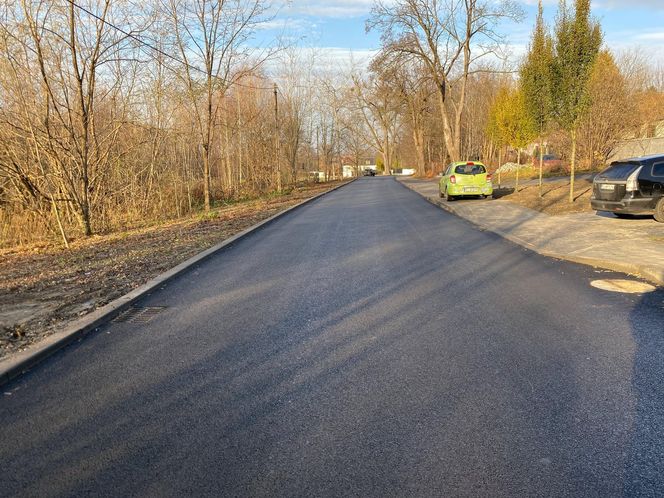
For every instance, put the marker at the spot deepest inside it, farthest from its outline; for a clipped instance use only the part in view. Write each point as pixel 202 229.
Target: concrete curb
pixel 653 275
pixel 18 364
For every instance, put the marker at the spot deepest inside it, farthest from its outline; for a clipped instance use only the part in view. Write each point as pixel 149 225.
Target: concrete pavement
pixel 367 344
pixel 633 246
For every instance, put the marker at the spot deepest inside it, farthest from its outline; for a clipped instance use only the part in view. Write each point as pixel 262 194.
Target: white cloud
pixel 656 36
pixel 331 8
pixel 650 42
pixel 300 18
pixel 629 4
pixel 291 24
pixel 337 62
pixel 607 4
pixel 337 57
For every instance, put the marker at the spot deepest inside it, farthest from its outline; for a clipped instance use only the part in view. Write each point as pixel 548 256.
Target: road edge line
pixel 653 275
pixel 16 365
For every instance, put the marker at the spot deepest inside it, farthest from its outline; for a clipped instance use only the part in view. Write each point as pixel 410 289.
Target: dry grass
pixel 555 197
pixel 44 286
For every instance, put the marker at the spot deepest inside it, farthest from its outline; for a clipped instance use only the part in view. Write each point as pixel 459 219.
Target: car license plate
pixel 471 189
pixel 607 186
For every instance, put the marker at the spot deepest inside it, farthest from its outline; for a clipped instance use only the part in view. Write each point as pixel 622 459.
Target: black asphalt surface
pixel 367 344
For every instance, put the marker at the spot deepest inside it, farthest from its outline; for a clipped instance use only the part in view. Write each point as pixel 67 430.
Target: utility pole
pixel 277 143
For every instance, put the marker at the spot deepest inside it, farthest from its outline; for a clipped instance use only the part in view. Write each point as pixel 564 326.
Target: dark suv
pixel 631 186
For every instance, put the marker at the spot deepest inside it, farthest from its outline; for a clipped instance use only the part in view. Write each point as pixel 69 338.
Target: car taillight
pixel 489 177
pixel 632 181
pixel 452 179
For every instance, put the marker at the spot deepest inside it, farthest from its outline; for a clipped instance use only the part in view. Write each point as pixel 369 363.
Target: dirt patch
pixel 555 197
pixel 44 288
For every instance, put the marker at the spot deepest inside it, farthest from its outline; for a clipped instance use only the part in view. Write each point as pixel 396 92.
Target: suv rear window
pixel 658 169
pixel 618 171
pixel 469 169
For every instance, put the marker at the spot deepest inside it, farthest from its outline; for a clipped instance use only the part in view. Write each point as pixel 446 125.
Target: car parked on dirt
pixel 631 186
pixel 550 162
pixel 463 179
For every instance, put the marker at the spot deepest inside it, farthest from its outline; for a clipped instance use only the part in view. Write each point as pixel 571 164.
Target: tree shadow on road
pixel 644 468
pixel 364 377
pixel 129 434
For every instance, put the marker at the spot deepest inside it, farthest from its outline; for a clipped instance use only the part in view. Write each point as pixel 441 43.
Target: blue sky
pixel 337 26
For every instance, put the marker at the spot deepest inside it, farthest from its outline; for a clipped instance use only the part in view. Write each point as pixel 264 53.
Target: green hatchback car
pixel 465 178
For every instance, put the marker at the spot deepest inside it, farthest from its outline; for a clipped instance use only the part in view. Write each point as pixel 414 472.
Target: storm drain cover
pixel 625 286
pixel 139 314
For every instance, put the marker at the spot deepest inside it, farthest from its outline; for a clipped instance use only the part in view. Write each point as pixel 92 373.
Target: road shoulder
pixel 18 363
pixel 630 246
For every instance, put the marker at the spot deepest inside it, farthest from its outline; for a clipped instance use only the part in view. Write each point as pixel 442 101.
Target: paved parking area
pixel 602 240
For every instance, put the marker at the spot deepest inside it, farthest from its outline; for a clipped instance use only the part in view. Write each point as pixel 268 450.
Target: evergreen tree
pixel 510 123
pixel 536 82
pixel 578 39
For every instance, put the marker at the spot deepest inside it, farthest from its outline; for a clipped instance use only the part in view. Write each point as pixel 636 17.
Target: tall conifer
pixel 536 82
pixel 577 42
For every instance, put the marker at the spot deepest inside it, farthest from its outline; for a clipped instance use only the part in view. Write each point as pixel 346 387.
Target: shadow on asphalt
pixel 644 453
pixel 228 406
pixel 352 402
pixel 644 469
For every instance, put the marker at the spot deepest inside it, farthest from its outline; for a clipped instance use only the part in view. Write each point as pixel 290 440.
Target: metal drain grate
pixel 139 314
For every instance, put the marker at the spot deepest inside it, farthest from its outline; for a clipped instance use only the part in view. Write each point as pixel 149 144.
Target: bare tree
pixel 611 113
pixel 417 92
pixel 210 36
pixel 448 37
pixel 64 118
pixel 296 89
pixel 380 104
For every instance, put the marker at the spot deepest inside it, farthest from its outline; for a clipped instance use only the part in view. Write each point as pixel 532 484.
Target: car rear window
pixel 658 169
pixel 469 169
pixel 618 171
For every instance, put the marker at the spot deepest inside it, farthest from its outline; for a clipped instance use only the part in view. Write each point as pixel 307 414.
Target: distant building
pixel 649 140
pixel 349 171
pixel 403 171
pixel 319 176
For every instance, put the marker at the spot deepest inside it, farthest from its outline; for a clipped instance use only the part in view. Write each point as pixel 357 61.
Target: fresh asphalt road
pixel 367 344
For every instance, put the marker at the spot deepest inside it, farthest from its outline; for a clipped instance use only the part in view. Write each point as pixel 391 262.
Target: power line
pixel 157 49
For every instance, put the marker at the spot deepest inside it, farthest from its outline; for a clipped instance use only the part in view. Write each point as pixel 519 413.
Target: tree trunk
pixel 450 141
pixel 206 177
pixel 227 156
pixel 63 234
pixel 387 156
pixel 207 141
pixel 429 166
pixel 572 166
pixel 419 149
pixel 541 164
pixel 500 160
pixel 518 167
